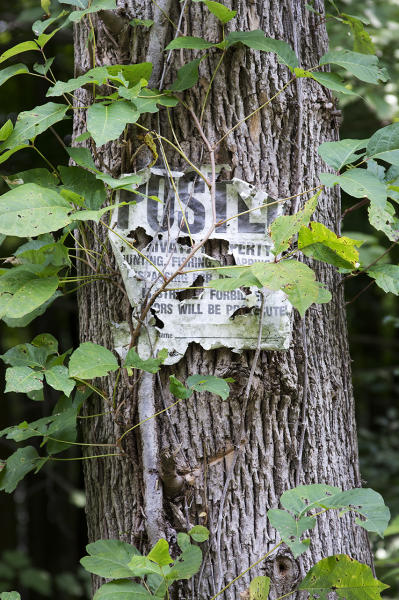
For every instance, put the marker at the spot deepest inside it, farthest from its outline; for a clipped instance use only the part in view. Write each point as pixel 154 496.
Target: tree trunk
pixel 299 425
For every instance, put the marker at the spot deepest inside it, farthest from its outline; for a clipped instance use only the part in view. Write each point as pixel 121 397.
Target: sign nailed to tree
pixel 163 226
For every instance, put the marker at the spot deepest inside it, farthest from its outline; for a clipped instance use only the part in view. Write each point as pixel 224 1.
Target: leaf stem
pixel 262 558
pixel 147 419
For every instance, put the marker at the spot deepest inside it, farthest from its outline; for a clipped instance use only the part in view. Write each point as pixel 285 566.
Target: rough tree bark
pixel 300 420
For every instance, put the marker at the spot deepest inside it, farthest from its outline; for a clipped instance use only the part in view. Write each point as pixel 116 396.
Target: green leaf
pixel 209 383
pixel 302 498
pixel 23 379
pixel 125 182
pixel 238 278
pixel 109 558
pixel 385 220
pixel 295 279
pixel 17 466
pixel 349 579
pixel 183 540
pixel 29 210
pixel 22 291
pixel 339 154
pixel 291 529
pixel 6 155
pixel 364 501
pixel 220 11
pixel 98 75
pixel 106 123
pixel 95 6
pixel 141 565
pixel 386 277
pixel 142 22
pixel 25 355
pixel 40 26
pixel 259 588
pixel 148 100
pixel 30 316
pixel 199 533
pixel 31 123
pixel 284 228
pixel 132 73
pixel 25 431
pixel 178 389
pixel 63 425
pixel 6 130
pixel 39 176
pixel 363 66
pixel 79 3
pixel 258 41
pixel 160 553
pixel 133 360
pixel 360 184
pixel 57 377
pixel 18 49
pixel 18 69
pixel 321 243
pixel 187 564
pixel 331 81
pixel 122 590
pixel 85 184
pixel 187 76
pixel 189 42
pixel 82 157
pixel 91 360
pixel 362 41
pixel 10 596
pixel 384 144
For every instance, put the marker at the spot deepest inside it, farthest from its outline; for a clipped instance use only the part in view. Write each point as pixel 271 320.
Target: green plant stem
pixel 179 151
pixel 93 416
pixel 262 558
pixel 115 387
pixel 148 419
pixel 255 111
pixel 125 241
pixel 52 167
pixel 82 457
pixel 92 387
pixel 286 595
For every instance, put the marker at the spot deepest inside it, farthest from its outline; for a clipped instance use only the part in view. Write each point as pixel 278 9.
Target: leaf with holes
pixel 31 123
pixel 17 466
pixel 349 579
pixel 209 383
pixel 284 228
pixel 339 154
pixel 321 243
pixel 106 123
pixel 259 588
pixel 30 210
pixel 363 501
pixel 187 564
pixel 23 380
pixel 291 529
pixel 385 220
pixel 303 497
pixel 258 41
pixel 386 277
pixel 22 291
pixel 91 360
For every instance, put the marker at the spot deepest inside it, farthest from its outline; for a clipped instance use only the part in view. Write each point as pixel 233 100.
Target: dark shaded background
pixel 43 531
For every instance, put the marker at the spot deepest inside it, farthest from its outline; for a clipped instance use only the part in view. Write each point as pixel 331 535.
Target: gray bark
pixel 300 420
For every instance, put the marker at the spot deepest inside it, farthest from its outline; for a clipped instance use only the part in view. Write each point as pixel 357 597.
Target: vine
pixel 46 205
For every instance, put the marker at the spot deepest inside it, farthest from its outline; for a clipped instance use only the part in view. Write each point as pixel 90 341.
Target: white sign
pixel 170 225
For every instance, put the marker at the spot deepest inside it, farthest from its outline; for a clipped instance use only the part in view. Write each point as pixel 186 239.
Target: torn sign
pixel 163 226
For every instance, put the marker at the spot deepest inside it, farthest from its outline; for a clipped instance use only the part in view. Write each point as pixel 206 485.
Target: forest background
pixel 43 525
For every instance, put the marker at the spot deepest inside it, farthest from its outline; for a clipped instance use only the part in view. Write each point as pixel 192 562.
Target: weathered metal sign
pixel 172 223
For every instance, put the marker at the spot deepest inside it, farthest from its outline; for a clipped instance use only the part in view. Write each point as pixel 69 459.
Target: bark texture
pixel 300 420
